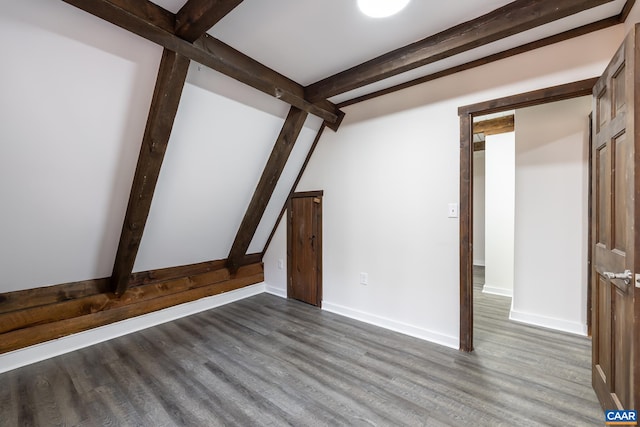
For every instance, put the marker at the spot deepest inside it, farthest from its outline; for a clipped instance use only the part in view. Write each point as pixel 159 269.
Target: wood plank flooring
pixel 266 361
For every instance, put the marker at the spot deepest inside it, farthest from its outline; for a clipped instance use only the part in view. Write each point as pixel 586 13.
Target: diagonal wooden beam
pixel 151 22
pixel 293 188
pixel 272 171
pixel 196 17
pixel 514 18
pixel 164 106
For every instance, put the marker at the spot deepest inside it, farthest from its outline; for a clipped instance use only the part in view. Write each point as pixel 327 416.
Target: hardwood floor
pixel 266 361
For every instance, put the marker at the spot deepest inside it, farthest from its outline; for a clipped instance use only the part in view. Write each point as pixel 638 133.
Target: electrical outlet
pixel 280 264
pixel 364 278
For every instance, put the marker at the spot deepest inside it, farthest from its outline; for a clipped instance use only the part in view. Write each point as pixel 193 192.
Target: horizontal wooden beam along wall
pixel 27 326
pixel 196 17
pixel 514 18
pixel 164 106
pixel 277 160
pixel 576 32
pixel 152 22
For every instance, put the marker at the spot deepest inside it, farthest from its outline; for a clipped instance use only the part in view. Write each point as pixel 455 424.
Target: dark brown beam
pixel 148 20
pixel 164 106
pixel 514 18
pixel 293 187
pixel 272 171
pixel 626 9
pixel 495 126
pixel 576 32
pixel 196 17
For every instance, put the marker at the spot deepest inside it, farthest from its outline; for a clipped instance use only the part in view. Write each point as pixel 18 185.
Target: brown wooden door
pixel 615 311
pixel 304 247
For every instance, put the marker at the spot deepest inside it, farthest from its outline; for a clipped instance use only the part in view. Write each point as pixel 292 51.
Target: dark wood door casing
pixel 304 247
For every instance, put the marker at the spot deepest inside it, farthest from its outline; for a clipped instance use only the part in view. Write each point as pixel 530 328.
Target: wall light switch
pixel 280 264
pixel 453 210
pixel 364 279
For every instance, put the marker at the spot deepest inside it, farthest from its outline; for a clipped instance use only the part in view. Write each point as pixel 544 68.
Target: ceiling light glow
pixel 381 8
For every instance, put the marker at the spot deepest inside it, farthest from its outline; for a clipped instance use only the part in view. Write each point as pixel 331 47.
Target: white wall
pixel 499 213
pixel 388 175
pixel 551 215
pixel 478 208
pixel 75 97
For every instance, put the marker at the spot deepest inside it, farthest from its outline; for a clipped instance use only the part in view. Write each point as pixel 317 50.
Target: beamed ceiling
pixel 318 56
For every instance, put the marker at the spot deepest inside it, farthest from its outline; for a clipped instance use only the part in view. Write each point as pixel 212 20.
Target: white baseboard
pixel 36 353
pixel 488 289
pixel 479 263
pixel 403 328
pixel 279 292
pixel 548 322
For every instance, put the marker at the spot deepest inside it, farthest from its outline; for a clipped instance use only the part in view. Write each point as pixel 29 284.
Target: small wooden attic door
pixel 304 247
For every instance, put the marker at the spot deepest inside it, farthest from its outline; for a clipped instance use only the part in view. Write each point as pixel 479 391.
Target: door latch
pixel 627 276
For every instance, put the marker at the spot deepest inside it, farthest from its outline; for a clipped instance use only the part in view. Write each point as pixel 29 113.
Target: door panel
pixel 614 185
pixel 304 248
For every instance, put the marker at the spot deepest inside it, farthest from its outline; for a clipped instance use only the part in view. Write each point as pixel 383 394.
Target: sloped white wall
pixel 388 175
pixel 75 97
pixel 75 93
pixel 499 213
pixel 551 221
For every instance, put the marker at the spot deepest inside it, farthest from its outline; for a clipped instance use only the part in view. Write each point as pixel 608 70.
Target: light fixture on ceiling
pixel 381 8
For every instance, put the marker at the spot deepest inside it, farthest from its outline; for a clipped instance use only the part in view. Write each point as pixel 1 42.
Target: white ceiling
pixel 307 40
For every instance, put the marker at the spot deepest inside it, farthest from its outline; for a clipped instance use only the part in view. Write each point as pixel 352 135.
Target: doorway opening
pixel 467 114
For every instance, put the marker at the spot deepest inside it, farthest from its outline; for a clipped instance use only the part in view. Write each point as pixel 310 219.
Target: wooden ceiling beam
pixel 164 106
pixel 196 17
pixel 495 126
pixel 267 184
pixel 556 38
pixel 514 18
pixel 155 24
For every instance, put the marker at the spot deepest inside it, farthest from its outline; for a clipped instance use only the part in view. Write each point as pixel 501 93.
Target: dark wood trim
pixel 196 17
pixel 590 231
pixel 495 126
pixel 466 113
pixel 164 106
pixel 268 181
pixel 511 19
pixel 44 323
pixel 576 32
pixel 293 187
pixel 536 97
pixel 151 21
pixel 626 9
pixel 466 232
pixel 317 193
